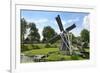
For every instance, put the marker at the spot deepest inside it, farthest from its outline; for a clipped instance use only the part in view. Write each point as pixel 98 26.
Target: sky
pixel 47 18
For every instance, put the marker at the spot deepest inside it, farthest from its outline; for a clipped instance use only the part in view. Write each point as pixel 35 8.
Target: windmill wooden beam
pixel 65 43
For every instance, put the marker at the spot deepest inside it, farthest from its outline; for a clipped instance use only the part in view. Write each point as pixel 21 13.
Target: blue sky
pixel 47 18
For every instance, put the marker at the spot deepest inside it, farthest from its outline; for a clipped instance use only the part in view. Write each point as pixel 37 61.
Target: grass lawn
pixel 43 51
pixel 56 55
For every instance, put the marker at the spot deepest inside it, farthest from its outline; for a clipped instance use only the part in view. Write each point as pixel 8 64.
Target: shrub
pixel 74 57
pixel 47 46
pixel 50 46
pixel 35 47
pixel 24 48
pixel 62 59
pixel 54 46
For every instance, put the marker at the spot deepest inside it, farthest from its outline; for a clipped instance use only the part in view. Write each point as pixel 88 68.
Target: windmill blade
pixel 59 23
pixel 54 39
pixel 70 28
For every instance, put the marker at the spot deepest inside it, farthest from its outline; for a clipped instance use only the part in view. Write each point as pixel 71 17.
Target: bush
pixel 24 48
pixel 47 46
pixel 50 46
pixel 35 47
pixel 62 59
pixel 54 46
pixel 85 45
pixel 74 57
pixel 29 47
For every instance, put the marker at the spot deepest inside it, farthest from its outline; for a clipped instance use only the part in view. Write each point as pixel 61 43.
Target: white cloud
pixel 76 31
pixel 39 21
pixel 63 22
pixel 86 22
pixel 72 20
pixel 40 32
pixel 69 22
pixel 27 33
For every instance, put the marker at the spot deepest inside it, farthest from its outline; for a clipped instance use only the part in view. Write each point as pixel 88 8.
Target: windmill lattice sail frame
pixel 64 36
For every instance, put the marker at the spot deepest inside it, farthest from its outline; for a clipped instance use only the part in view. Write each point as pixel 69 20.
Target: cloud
pixel 27 33
pixel 72 20
pixel 63 22
pixel 39 21
pixel 76 31
pixel 69 22
pixel 85 23
pixel 39 24
pixel 40 32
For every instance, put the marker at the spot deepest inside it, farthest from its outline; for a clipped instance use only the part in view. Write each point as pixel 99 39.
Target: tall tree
pixel 23 29
pixel 85 35
pixel 48 32
pixel 34 36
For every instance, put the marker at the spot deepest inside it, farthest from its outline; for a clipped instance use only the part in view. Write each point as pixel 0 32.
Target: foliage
pixel 58 57
pixel 74 57
pixel 24 48
pixel 85 35
pixel 43 51
pixel 47 46
pixel 36 47
pixel 33 36
pixel 27 47
pixel 23 29
pixel 50 46
pixel 48 32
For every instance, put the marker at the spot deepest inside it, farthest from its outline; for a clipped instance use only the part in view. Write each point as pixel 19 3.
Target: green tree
pixel 48 32
pixel 85 35
pixel 23 29
pixel 34 36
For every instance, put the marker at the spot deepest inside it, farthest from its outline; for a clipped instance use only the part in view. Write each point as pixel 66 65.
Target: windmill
pixel 64 36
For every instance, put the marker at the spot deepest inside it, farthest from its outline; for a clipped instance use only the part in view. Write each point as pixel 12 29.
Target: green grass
pixel 40 51
pixel 55 56
pixel 30 45
pixel 76 57
pixel 58 57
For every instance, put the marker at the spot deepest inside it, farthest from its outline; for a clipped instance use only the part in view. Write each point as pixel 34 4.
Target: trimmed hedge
pixel 35 47
pixel 29 47
pixel 24 48
pixel 50 46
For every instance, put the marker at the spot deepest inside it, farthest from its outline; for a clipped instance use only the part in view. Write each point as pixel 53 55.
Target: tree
pixel 34 36
pixel 85 35
pixel 85 38
pixel 48 32
pixel 23 29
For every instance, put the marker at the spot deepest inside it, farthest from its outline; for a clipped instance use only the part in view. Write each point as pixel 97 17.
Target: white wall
pixel 5 36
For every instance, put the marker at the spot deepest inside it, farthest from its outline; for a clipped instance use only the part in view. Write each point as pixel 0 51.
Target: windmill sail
pixel 65 43
pixel 70 28
pixel 54 39
pixel 59 23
